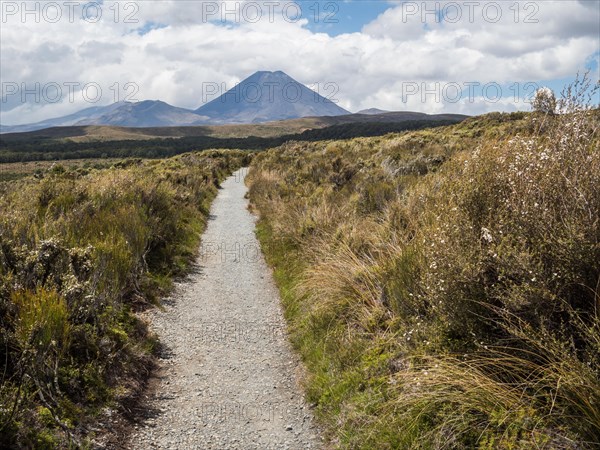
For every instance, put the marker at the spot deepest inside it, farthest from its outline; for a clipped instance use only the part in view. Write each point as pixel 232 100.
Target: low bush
pixel 443 285
pixel 79 253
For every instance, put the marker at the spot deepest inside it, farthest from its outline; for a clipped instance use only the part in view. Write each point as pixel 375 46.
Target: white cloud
pixel 172 63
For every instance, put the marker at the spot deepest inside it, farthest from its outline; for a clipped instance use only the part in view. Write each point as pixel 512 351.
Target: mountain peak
pixel 268 72
pixel 267 96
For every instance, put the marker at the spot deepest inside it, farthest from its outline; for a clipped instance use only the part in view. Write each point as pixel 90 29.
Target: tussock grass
pixel 81 248
pixel 443 286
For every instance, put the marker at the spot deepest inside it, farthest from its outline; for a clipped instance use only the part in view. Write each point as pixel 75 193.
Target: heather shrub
pixel 510 242
pixel 79 253
pixel 442 285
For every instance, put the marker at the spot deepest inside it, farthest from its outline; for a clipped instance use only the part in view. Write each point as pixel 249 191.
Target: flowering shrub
pixel 443 286
pixel 544 101
pixel 78 252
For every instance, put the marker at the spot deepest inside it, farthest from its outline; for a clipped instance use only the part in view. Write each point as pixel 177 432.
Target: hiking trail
pixel 228 378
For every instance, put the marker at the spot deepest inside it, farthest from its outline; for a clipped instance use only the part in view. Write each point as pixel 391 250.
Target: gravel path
pixel 228 379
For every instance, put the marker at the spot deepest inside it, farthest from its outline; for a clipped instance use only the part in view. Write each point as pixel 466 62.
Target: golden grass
pixel 443 286
pixel 81 247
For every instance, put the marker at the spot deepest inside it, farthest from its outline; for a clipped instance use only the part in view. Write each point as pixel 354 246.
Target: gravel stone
pixel 229 379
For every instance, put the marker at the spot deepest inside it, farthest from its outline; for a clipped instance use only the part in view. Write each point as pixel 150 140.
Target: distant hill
pixel 91 133
pixel 262 97
pixel 81 142
pixel 372 111
pixel 265 97
pixel 148 113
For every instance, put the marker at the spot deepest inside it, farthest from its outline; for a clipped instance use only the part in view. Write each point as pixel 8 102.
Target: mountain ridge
pixel 280 98
pixel 266 129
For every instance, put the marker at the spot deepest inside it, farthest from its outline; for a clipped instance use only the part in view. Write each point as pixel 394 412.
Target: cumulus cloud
pixel 170 50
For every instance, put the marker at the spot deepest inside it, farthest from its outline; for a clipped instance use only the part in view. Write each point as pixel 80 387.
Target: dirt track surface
pixel 228 379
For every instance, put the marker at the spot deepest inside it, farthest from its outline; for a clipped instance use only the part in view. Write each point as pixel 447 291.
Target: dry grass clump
pixel 80 249
pixel 444 286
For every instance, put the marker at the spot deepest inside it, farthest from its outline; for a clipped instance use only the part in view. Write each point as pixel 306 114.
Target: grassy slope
pixel 80 248
pixel 15 171
pixel 442 285
pixel 39 147
pixel 92 133
pixel 112 133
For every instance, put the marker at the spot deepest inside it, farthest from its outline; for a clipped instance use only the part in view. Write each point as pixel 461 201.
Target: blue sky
pixel 331 17
pixel 350 16
pixel 335 18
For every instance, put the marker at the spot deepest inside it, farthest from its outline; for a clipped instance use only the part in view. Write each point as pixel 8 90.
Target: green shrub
pixel 79 252
pixel 442 286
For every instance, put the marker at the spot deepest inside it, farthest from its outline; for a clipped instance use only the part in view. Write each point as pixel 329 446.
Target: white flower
pixel 486 235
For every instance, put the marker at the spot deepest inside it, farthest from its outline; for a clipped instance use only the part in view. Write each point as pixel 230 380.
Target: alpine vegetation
pixel 443 286
pixel 80 250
